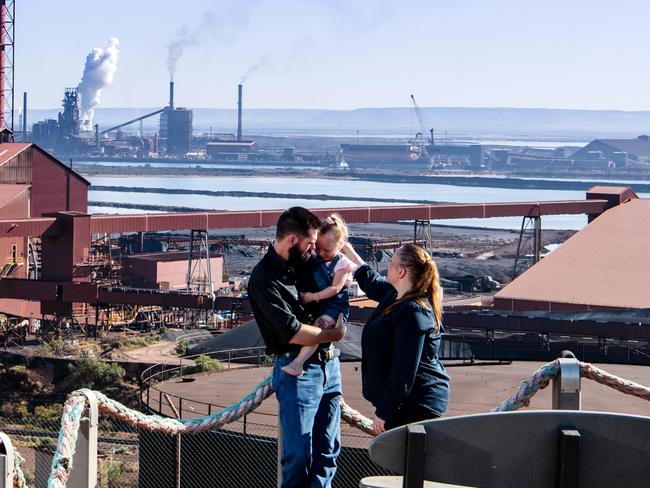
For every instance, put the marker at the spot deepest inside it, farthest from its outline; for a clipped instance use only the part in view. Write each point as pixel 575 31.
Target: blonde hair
pixel 426 280
pixel 335 224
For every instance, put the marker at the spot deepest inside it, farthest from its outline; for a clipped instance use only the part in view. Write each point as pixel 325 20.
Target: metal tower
pixel 7 25
pixel 529 247
pixel 199 273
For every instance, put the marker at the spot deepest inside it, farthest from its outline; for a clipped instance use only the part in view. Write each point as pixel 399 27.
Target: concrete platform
pixel 474 389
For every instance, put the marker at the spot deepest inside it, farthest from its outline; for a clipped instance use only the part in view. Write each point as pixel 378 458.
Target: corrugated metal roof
pixel 10 149
pixel 605 265
pixel 9 192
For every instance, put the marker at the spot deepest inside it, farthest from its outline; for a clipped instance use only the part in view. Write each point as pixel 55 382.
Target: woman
pixel 401 374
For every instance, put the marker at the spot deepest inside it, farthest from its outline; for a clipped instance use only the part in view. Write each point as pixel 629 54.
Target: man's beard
pixel 296 257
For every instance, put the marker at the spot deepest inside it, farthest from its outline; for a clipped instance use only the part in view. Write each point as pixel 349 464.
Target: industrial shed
pixel 604 266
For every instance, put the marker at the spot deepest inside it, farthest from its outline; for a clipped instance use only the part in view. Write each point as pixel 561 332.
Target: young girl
pixel 333 275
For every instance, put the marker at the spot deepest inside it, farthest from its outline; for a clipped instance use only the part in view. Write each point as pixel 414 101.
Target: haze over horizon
pixel 336 54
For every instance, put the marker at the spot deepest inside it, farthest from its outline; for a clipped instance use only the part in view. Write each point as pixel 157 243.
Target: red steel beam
pixel 100 224
pixel 67 292
pixel 25 227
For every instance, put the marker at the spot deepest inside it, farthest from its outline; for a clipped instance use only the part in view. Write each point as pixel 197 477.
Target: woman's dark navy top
pixel 400 365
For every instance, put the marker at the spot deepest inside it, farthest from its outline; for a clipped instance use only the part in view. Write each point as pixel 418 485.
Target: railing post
pixel 84 461
pixel 6 462
pixel 280 449
pixel 414 458
pixel 566 385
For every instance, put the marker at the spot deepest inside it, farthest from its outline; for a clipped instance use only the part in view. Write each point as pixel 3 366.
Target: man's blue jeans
pixel 310 417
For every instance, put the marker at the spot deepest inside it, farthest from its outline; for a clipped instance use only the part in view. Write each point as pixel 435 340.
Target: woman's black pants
pixel 409 414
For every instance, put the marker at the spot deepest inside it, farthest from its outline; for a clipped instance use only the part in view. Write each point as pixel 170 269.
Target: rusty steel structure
pixel 91 301
pixel 7 37
pixel 66 236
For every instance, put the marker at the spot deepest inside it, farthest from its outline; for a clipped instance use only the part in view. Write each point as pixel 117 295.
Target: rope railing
pixel 19 476
pixel 77 402
pixel 601 376
pixel 543 375
pixel 535 382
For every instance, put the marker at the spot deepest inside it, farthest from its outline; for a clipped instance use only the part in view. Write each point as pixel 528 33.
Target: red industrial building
pixel 33 184
pixel 165 271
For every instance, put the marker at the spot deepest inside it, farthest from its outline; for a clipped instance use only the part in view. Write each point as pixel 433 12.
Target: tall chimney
pixel 239 96
pixel 24 116
pixel 97 143
pixel 171 95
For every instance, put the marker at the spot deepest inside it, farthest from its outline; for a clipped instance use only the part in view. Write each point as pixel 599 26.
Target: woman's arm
pixel 374 285
pixel 338 282
pixel 352 255
pixel 411 331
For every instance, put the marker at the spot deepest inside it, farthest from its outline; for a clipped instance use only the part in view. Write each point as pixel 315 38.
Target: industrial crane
pixel 423 127
pixel 420 143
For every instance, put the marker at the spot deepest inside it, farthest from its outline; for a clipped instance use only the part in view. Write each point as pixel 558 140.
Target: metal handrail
pixel 150 376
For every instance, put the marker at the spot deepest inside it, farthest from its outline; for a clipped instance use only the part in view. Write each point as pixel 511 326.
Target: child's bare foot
pixel 293 370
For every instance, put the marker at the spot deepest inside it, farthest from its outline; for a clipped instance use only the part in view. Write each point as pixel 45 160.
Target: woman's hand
pixel 349 252
pixel 378 425
pixel 347 249
pixel 308 297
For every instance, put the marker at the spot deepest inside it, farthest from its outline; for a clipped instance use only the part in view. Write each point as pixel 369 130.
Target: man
pixel 309 405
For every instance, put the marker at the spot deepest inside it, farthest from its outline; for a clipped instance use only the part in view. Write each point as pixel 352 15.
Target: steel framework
pixel 530 237
pixel 7 38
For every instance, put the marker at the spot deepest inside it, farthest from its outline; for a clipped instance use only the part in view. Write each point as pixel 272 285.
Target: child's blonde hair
pixel 335 224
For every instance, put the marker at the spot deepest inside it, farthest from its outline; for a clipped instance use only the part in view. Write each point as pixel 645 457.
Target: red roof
pixel 10 149
pixel 605 265
pixel 9 192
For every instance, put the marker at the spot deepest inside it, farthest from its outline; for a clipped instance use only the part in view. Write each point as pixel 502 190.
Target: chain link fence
pixel 241 454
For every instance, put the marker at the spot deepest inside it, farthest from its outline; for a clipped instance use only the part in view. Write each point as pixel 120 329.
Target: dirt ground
pixel 458 251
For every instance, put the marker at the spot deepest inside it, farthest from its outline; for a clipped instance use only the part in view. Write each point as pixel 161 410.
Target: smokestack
pixel 239 98
pixel 171 95
pixel 97 136
pixel 24 116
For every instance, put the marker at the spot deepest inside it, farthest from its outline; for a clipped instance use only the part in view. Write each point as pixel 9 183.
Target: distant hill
pixel 493 122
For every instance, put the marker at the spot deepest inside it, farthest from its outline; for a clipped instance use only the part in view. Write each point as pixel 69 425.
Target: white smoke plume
pixel 99 71
pixel 184 38
pixel 225 27
pixel 263 60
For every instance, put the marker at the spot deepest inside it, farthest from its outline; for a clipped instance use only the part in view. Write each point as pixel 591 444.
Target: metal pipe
pixel 24 116
pixel 239 108
pixel 142 117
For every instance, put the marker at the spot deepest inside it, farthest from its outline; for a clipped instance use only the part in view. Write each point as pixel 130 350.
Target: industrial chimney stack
pixel 239 98
pixel 171 95
pixel 24 116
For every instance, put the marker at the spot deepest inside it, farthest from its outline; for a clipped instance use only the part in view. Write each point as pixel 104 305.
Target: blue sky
pixel 346 54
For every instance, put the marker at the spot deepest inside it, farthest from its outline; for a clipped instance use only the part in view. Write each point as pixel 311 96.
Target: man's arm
pixel 308 335
pixel 268 304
